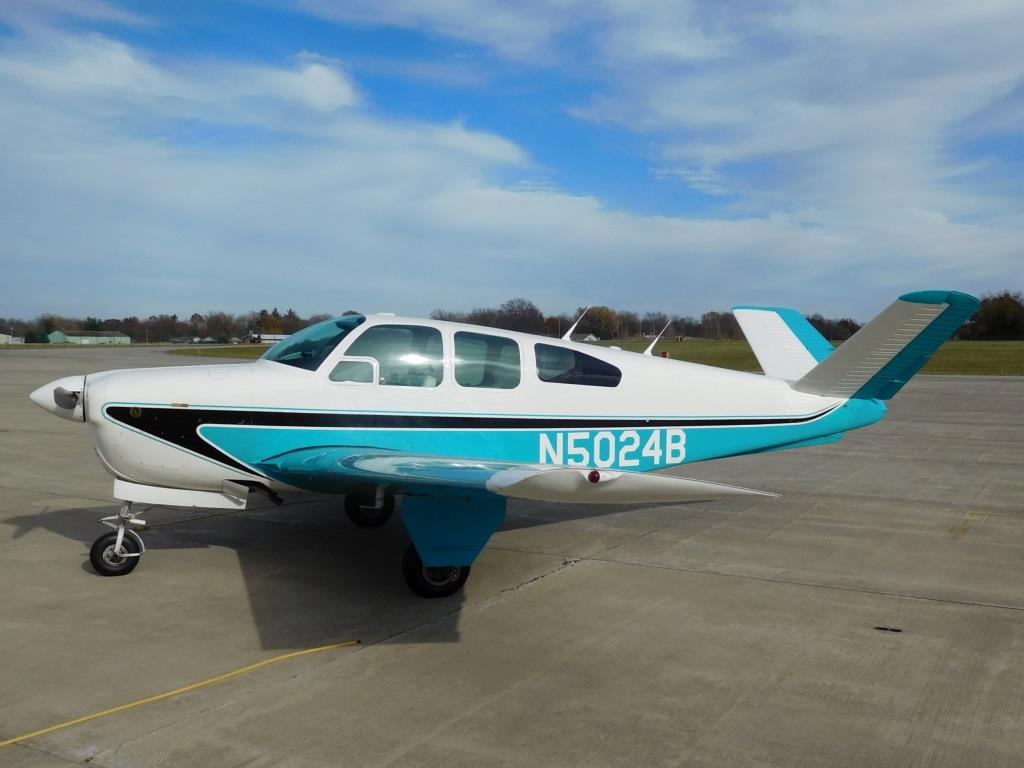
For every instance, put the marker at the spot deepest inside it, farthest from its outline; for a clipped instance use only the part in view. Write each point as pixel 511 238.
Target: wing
pixel 335 469
pixel 453 506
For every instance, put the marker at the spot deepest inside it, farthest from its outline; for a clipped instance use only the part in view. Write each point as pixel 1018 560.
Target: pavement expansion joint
pixel 39 749
pixel 521 586
pixel 567 563
pixel 811 584
pixel 939 506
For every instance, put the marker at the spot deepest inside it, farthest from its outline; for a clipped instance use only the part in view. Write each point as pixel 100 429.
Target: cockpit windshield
pixel 310 347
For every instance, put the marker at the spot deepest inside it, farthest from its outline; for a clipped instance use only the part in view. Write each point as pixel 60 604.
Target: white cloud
pixel 317 83
pixel 115 177
pixel 101 217
pixel 845 116
pixel 533 31
pixel 35 13
pixel 112 75
pixel 702 178
pixel 521 31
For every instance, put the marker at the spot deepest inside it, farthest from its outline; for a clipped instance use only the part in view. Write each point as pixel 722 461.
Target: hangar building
pixel 88 337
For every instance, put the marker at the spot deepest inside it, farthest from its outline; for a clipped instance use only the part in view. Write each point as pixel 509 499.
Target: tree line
pixel 219 326
pixel 608 323
pixel 1001 316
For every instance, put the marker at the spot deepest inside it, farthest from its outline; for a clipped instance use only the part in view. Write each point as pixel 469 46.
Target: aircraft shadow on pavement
pixel 311 576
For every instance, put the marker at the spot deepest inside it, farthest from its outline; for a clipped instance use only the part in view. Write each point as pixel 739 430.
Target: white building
pixel 267 338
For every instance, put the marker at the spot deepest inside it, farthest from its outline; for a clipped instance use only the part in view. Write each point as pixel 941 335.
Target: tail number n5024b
pixel 627 448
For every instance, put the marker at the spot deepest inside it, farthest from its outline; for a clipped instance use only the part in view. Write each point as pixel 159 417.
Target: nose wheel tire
pixel 107 560
pixel 432 581
pixel 364 512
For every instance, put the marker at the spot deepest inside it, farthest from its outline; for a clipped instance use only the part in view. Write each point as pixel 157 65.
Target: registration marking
pixel 629 448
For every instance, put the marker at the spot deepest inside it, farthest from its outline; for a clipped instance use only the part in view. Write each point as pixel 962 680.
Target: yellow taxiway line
pixel 177 691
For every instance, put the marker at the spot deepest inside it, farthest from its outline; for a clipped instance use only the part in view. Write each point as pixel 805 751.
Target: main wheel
pixel 428 581
pixel 105 559
pixel 363 511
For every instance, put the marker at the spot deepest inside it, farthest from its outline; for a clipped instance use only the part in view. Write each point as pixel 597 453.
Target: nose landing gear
pixel 118 552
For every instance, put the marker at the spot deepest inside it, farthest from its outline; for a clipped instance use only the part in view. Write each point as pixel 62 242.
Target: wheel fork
pixel 120 523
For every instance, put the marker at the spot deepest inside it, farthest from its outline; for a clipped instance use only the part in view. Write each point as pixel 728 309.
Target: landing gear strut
pixel 118 552
pixel 431 581
pixel 368 511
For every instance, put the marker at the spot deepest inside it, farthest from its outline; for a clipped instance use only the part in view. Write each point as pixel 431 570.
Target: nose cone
pixel 63 397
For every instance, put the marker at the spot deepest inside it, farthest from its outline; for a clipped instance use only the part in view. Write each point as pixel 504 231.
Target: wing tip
pixel 956 299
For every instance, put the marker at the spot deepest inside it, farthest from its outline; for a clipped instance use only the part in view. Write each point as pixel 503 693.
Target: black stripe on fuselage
pixel 177 426
pixel 180 425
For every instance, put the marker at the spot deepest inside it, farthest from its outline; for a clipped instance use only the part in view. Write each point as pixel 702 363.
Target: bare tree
pixel 520 315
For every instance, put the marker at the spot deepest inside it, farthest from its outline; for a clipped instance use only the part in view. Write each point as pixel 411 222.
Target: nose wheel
pixel 118 552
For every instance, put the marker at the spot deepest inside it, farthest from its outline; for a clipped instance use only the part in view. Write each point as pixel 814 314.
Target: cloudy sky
pixel 413 154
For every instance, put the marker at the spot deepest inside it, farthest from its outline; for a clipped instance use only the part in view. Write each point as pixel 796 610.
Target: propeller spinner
pixel 63 397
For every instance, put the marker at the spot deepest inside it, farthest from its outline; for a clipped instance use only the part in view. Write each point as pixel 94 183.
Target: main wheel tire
pixel 428 581
pixel 362 510
pixel 107 562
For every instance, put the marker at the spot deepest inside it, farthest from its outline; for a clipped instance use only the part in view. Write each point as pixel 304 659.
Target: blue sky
pixel 402 156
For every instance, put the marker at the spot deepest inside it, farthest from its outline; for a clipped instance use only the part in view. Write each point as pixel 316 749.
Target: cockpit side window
pixel 310 347
pixel 559 365
pixel 407 355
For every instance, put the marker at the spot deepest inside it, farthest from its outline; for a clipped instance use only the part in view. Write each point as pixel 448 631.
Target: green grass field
pixel 980 358
pixel 992 358
pixel 989 358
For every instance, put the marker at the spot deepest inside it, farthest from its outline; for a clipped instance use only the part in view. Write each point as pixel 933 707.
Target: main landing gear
pixel 369 511
pixel 118 552
pixel 372 511
pixel 427 581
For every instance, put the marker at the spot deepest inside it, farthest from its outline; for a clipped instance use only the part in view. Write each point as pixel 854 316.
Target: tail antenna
pixel 568 334
pixel 657 338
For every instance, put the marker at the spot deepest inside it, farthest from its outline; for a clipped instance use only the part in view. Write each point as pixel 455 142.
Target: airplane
pixel 457 419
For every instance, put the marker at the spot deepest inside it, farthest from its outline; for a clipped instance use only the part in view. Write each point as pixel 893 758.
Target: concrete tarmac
pixel 728 634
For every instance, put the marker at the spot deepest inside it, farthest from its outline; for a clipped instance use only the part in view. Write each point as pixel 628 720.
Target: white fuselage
pixel 197 426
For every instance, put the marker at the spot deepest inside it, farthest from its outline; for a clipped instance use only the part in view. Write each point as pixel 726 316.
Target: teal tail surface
pixel 882 356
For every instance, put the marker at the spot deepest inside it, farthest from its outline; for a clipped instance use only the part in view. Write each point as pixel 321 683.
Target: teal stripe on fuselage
pixel 254 444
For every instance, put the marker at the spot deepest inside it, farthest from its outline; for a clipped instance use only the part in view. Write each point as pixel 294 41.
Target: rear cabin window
pixel 407 355
pixel 490 362
pixel 558 365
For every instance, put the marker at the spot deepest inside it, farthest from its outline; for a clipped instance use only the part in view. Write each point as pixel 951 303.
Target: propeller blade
pixel 65 398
